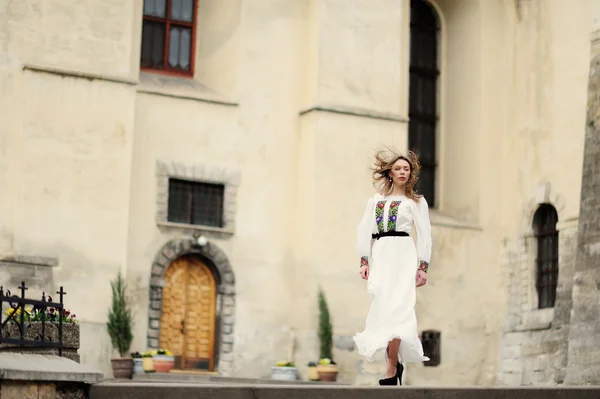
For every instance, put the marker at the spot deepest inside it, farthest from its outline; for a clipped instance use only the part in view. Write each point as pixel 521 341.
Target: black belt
pixel 389 234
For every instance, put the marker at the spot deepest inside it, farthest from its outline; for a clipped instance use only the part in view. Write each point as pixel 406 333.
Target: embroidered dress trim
pixel 364 261
pixel 379 209
pixel 393 215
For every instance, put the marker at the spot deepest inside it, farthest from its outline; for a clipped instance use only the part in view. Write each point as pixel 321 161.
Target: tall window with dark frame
pixel 195 203
pixel 168 34
pixel 544 227
pixel 422 108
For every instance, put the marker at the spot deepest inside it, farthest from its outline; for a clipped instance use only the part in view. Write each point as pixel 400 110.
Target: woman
pixel 392 265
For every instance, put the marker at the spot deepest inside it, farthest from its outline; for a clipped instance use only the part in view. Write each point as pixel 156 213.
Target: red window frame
pixel 167 70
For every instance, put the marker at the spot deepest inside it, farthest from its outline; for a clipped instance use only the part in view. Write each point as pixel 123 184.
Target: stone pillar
pixel 583 367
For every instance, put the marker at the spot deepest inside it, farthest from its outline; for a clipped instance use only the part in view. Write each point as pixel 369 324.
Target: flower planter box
pixel 284 373
pixel 33 331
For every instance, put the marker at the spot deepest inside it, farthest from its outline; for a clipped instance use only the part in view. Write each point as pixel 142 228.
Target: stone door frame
pixel 216 260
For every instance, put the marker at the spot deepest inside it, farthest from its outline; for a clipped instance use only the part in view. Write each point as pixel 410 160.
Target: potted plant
pixel 327 368
pixel 164 361
pixel 119 328
pixel 138 366
pixel 284 371
pixel 313 374
pixel 148 361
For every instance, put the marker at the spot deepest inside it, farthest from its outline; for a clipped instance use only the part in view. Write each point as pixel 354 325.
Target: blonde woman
pixel 391 263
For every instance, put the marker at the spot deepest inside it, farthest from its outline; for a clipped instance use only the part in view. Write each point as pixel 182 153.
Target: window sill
pixel 439 219
pixel 179 87
pixel 196 228
pixel 535 320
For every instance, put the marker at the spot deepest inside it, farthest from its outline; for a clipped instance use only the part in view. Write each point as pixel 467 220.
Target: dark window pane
pixel 196 203
pixel 180 44
pixel 422 140
pixel 180 196
pixel 423 94
pixel 544 226
pixel 208 205
pixel 426 183
pixel 182 10
pixel 428 97
pixel 153 41
pixel 155 8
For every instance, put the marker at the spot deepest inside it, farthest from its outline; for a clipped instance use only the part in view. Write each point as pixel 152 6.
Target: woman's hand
pixel 421 278
pixel 364 272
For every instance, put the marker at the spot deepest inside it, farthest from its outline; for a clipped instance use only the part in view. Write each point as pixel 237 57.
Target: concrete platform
pixel 140 390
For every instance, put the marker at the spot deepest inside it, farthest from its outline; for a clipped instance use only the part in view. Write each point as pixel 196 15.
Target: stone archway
pixel 216 259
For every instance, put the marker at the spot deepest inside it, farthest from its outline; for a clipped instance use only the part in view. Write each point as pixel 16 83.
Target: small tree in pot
pixel 119 327
pixel 327 368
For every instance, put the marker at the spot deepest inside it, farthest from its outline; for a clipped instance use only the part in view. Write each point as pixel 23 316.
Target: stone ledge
pixel 133 390
pixel 196 227
pixel 208 377
pixel 29 367
pixel 354 111
pixel 78 74
pixel 535 320
pixel 183 88
pixel 30 260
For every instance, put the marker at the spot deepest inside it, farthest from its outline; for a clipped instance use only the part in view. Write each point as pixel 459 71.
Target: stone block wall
pixel 534 344
pixel 42 390
pixel 584 335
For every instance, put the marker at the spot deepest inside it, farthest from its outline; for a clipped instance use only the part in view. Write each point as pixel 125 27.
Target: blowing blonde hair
pixel 383 162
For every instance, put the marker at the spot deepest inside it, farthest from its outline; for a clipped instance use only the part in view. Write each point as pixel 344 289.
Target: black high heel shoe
pixel 392 380
pixel 389 381
pixel 399 371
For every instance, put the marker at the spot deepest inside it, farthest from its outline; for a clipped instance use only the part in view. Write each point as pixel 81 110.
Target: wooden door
pixel 188 313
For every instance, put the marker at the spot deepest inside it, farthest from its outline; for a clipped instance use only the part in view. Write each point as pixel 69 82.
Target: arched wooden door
pixel 187 325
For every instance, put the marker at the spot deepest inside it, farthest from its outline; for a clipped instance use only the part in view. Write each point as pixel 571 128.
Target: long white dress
pixel 393 263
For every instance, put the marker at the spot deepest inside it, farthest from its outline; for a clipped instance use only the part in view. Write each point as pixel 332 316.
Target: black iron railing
pixel 45 312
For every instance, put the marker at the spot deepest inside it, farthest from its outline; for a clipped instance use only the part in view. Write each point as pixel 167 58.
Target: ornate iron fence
pixel 23 312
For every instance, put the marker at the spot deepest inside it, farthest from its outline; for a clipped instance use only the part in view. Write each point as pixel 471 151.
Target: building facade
pixel 217 153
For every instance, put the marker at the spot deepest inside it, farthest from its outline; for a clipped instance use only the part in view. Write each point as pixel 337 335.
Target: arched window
pixel 422 108
pixel 544 228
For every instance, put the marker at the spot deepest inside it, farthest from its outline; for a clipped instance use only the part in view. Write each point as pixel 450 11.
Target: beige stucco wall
pixel 67 172
pixel 79 158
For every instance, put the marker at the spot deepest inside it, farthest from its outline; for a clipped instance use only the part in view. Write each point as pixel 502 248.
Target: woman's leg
pixel 392 357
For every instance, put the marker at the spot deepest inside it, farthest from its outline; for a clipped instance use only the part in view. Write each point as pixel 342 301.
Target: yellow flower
pixel 13 311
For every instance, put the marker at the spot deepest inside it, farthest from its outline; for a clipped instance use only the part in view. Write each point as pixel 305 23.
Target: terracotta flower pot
pixel 163 363
pixel 122 368
pixel 327 372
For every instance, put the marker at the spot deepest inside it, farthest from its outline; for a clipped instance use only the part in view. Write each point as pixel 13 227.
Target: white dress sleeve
pixel 364 231
pixel 423 228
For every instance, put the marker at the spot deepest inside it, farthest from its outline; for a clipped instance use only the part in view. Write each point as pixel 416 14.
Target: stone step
pixel 144 390
pixel 216 379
